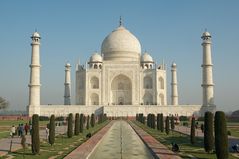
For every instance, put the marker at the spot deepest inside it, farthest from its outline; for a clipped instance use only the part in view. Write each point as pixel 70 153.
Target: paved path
pixel 16 141
pixel 121 142
pixel 159 150
pixel 85 149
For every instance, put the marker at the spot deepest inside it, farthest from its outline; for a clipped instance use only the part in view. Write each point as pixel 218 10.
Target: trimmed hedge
pixel 167 125
pixel 221 137
pixel 52 130
pixel 77 124
pixel 70 126
pixel 192 134
pixel 35 135
pixel 208 132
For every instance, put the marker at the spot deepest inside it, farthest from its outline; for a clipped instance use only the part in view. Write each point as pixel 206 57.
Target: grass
pixel 5 126
pixel 234 131
pixel 187 150
pixel 63 145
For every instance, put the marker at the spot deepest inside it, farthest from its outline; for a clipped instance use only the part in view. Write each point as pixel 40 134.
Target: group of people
pixel 20 130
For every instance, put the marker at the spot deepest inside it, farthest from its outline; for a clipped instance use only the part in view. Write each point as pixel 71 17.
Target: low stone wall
pixel 121 110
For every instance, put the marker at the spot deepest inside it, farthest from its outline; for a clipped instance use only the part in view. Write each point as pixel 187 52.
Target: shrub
pixel 77 124
pixel 208 132
pixel 158 121
pixel 221 137
pixel 229 133
pixel 192 134
pixel 60 118
pixel 161 123
pixel 92 120
pixel 81 123
pixel 153 121
pixel 88 122
pixel 183 118
pixel 167 125
pixel 172 123
pixel 52 130
pixel 70 126
pixel 35 134
pixel 43 118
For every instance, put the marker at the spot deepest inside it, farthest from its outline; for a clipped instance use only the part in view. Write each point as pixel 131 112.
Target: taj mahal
pixel 121 81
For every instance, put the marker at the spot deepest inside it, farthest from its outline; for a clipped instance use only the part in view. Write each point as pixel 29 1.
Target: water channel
pixel 121 142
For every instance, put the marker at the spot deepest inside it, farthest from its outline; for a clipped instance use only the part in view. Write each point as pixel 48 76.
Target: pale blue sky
pixel 70 30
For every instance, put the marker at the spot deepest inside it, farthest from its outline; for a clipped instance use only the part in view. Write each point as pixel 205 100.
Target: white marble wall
pixel 121 110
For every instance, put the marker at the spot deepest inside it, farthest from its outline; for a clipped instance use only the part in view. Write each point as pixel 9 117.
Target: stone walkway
pixel 159 150
pixel 16 141
pixel 87 147
pixel 121 142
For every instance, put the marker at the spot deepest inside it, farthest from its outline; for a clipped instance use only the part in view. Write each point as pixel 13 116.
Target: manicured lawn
pixel 62 146
pixel 187 150
pixel 9 123
pixel 234 131
pixel 4 134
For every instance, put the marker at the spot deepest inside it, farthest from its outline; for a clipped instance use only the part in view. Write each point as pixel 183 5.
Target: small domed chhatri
pixel 146 58
pixel 96 58
pixel 120 82
pixel 36 35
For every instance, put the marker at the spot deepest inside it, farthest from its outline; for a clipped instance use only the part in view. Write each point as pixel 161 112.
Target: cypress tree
pixel 221 138
pixel 161 123
pixel 167 125
pixel 88 122
pixel 153 121
pixel 35 135
pixel 52 130
pixel 192 134
pixel 172 123
pixel 70 126
pixel 81 123
pixel 92 120
pixel 208 132
pixel 77 124
pixel 158 121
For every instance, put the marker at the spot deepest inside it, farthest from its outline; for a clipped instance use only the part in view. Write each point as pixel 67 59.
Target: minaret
pixel 207 77
pixel 34 85
pixel 174 85
pixel 67 94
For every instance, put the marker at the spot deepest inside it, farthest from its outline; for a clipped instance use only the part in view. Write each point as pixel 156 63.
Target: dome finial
pixel 120 21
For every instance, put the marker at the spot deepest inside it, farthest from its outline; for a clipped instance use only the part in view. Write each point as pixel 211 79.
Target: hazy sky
pixel 73 30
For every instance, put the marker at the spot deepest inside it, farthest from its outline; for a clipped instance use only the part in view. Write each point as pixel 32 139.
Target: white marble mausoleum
pixel 121 80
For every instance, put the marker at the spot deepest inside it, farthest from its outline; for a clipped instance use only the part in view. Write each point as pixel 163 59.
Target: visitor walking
pixel 19 130
pixel 26 128
pixel 12 131
pixel 47 133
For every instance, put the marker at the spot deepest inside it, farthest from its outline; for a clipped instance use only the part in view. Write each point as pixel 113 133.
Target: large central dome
pixel 121 45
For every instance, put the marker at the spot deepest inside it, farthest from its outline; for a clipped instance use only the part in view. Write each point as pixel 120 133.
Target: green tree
pixel 153 121
pixel 77 124
pixel 167 125
pixel 88 122
pixel 52 130
pixel 81 123
pixel 192 134
pixel 161 123
pixel 70 126
pixel 92 120
pixel 3 103
pixel 208 132
pixel 172 123
pixel 158 121
pixel 35 135
pixel 221 138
